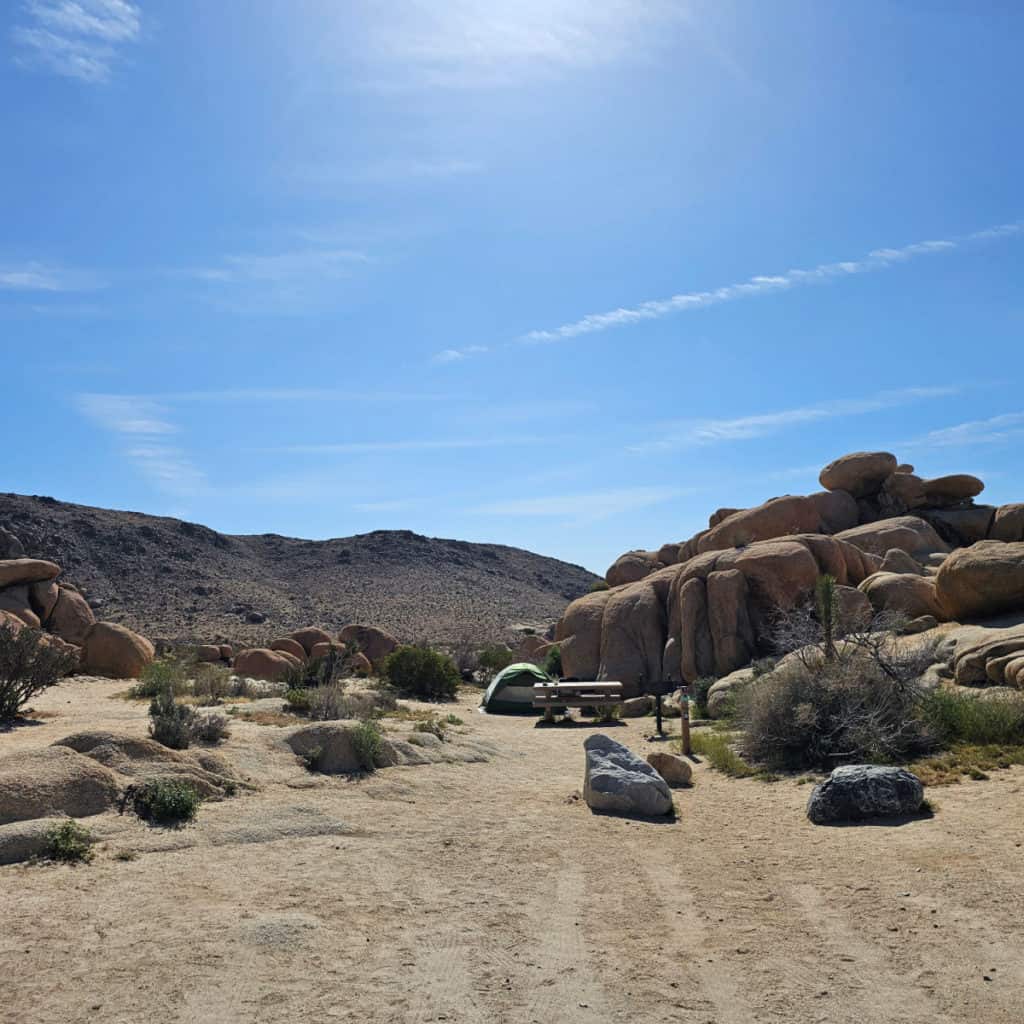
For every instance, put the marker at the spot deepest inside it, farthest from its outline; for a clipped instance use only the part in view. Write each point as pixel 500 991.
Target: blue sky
pixel 563 274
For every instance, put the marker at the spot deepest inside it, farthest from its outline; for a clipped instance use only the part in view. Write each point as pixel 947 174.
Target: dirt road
pixel 488 893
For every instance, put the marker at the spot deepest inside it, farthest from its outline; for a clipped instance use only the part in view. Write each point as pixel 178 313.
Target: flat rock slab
pixel 618 781
pixel 857 792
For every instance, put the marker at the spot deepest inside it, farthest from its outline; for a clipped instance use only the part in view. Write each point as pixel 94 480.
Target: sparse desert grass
pixel 263 716
pixel 718 748
pixel 434 726
pixel 161 676
pixel 211 728
pixel 974 761
pixel 974 719
pixel 70 842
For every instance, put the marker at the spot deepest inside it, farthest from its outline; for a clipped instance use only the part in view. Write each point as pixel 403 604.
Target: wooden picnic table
pixel 575 694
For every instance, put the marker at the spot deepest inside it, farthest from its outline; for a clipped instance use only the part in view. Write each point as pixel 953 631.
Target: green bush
pixel 368 743
pixel 699 692
pixel 162 676
pixel 299 700
pixel 718 748
pixel 598 585
pixel 28 665
pixel 326 670
pixel 212 683
pixel 964 718
pixel 431 725
pixel 423 673
pixel 553 662
pixel 171 723
pixel 166 800
pixel 69 841
pixel 493 659
pixel 211 728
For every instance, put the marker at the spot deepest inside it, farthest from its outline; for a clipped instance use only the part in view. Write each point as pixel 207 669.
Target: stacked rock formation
pixel 703 606
pixel 31 597
pixel 365 648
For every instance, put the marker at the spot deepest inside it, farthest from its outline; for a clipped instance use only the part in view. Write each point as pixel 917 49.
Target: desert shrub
pixel 453 720
pixel 326 670
pixel 368 743
pixel 598 585
pixel 312 757
pixel 493 659
pixel 421 672
pixel 553 662
pixel 166 674
pixel 821 715
pixel 327 703
pixel 171 723
pixel 607 712
pixel 965 718
pixel 211 728
pixel 166 800
pixel 69 841
pixel 28 665
pixel 431 725
pixel 699 693
pixel 466 658
pixel 299 699
pixel 212 683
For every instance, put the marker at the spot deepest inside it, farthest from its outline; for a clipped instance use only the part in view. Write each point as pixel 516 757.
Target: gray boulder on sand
pixel 858 791
pixel 617 780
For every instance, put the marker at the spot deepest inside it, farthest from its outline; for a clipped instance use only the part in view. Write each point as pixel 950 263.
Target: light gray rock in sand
pixel 619 781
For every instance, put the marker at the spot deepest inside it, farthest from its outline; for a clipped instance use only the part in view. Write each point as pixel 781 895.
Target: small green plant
pixel 68 841
pixel 826 605
pixel 431 725
pixel 607 712
pixel 423 673
pixel 212 683
pixel 28 665
pixel 311 758
pixel 166 801
pixel 211 728
pixel 126 855
pixel 598 585
pixel 171 723
pixel 368 743
pixel 553 662
pixel 453 720
pixel 298 700
pixel 966 718
pixel 717 747
pixel 166 674
pixel 699 694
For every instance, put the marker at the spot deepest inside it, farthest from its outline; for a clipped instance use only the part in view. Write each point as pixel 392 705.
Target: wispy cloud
pixel 696 433
pixel 994 430
pixel 261 395
pixel 761 284
pixel 585 507
pixel 145 427
pixel 406 445
pixel 76 38
pixel 43 277
pixel 478 43
pixel 456 355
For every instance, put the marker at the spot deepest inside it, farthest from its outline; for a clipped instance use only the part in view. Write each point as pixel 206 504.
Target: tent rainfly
pixel 511 690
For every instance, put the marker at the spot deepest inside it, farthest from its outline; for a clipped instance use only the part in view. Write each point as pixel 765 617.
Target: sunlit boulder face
pixel 704 606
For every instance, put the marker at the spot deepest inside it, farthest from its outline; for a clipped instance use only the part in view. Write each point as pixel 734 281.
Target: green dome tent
pixel 511 690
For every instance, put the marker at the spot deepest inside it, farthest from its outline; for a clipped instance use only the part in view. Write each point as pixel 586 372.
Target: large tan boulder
pixel 531 647
pixel 984 579
pixel 905 594
pixel 292 646
pixel 308 637
pixel 322 649
pixel 52 781
pixel 908 533
pixel 961 527
pixel 16 601
pixel 329 747
pixel 374 642
pixel 632 566
pixel 951 489
pixel 854 608
pixel 1008 524
pixel 668 554
pixel 113 650
pixel 208 653
pixel 897 560
pixel 578 635
pixel 26 570
pixel 632 636
pixel 732 635
pixel 779 517
pixel 860 473
pixel 975 648
pixel 720 515
pixel 71 617
pixel 837 510
pixel 903 491
pixel 671 767
pixel 723 693
pixel 263 663
pixel 696 648
pixel 43 598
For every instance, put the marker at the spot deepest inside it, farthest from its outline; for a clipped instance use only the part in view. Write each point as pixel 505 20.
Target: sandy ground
pixel 488 893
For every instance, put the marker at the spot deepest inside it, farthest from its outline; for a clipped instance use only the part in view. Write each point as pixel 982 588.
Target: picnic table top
pixel 604 686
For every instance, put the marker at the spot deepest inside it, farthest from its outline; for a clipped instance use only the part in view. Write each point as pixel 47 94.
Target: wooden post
pixel 657 712
pixel 684 721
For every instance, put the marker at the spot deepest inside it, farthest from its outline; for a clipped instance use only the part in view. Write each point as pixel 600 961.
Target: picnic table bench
pixel 575 694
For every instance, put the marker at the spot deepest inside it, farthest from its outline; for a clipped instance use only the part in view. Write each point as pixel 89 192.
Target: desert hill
pixel 177 580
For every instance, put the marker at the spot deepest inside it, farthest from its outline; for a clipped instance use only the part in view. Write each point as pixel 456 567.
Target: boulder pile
pixel 893 540
pixel 31 597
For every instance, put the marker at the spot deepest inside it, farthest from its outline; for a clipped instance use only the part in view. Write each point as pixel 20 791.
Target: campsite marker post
pixel 684 719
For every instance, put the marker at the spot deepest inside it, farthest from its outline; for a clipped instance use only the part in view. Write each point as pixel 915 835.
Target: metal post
pixel 657 713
